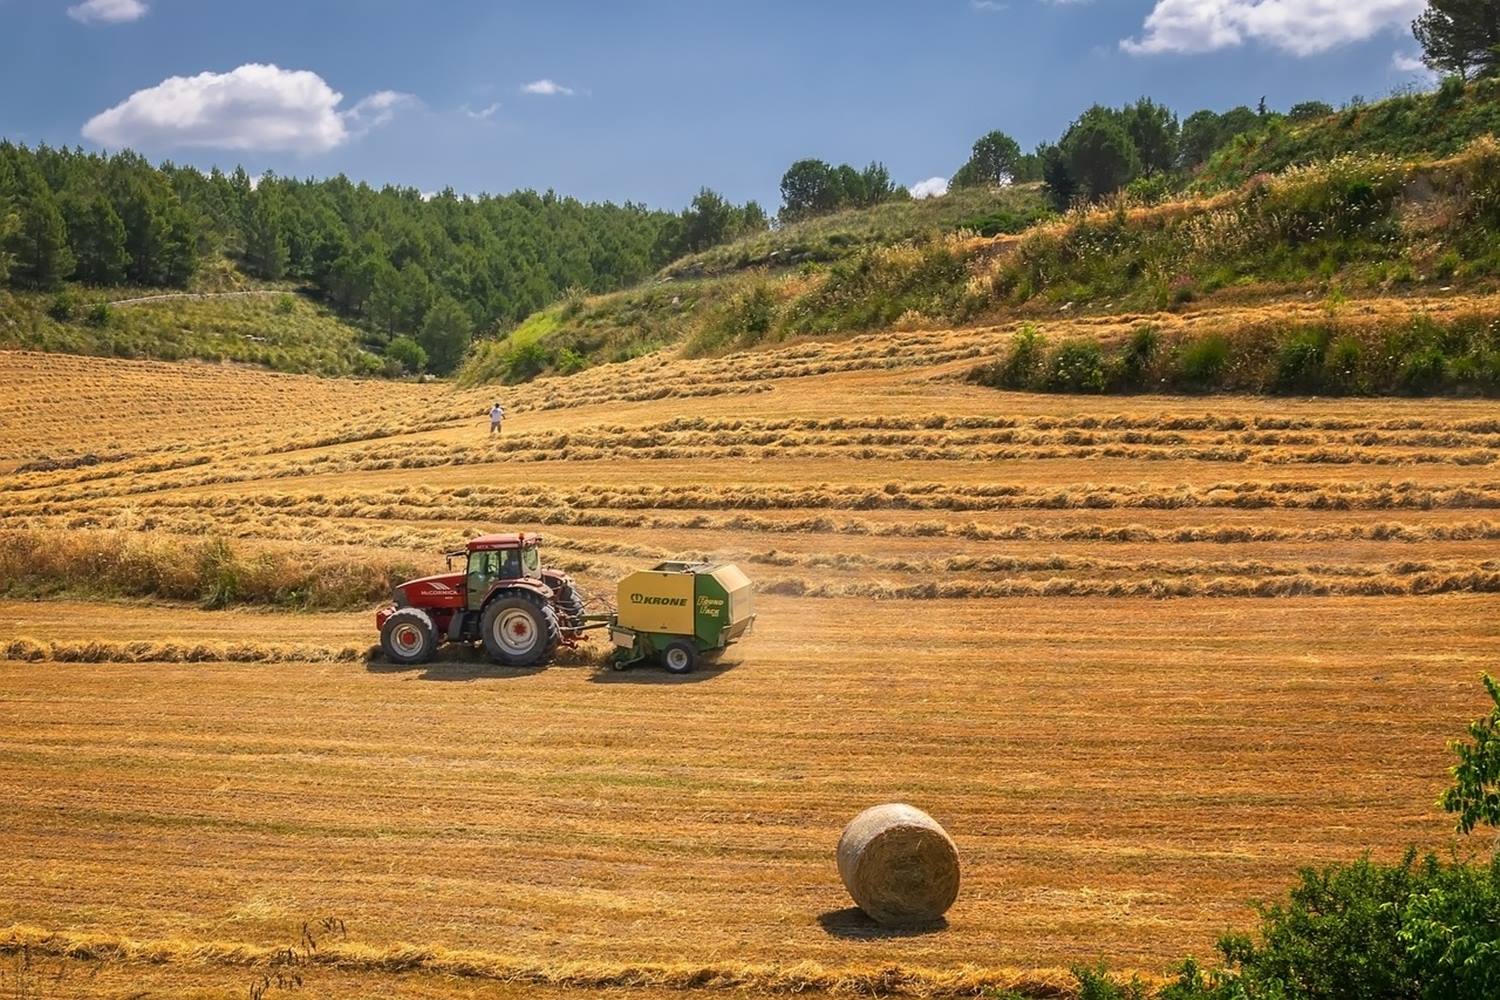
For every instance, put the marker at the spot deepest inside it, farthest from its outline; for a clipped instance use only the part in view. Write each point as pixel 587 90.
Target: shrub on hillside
pixel 1076 366
pixel 1342 367
pixel 526 362
pixel 1203 361
pixel 1299 362
pixel 1132 369
pixel 874 287
pixel 1345 216
pixel 1020 367
pixel 1422 357
pixel 63 305
pixel 407 354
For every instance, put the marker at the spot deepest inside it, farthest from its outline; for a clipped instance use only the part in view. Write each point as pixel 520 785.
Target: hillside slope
pixel 274 328
pixel 1422 126
pixel 1355 226
pixel 731 296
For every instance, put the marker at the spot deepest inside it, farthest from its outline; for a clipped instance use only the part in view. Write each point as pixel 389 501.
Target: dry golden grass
pixel 1140 656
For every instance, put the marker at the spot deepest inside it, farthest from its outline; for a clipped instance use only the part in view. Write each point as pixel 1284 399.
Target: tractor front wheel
pixel 519 630
pixel 679 657
pixel 407 637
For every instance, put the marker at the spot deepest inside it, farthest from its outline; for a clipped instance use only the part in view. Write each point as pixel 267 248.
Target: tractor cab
pixel 490 559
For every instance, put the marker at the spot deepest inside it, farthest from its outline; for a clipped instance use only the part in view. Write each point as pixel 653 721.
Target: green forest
pixel 430 269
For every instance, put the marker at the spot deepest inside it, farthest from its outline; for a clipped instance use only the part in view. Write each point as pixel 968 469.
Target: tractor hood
pixel 446 590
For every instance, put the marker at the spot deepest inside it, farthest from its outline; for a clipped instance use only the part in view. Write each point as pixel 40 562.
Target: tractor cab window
pixel 494 564
pixel 487 567
pixel 531 562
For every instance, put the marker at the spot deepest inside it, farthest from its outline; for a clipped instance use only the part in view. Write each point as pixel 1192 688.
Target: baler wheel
pixel 679 657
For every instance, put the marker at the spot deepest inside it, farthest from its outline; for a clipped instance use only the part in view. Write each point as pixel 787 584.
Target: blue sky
pixel 648 101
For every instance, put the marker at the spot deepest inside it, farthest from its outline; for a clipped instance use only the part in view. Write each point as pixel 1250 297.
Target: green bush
pixel 1423 372
pixel 1342 367
pixel 63 305
pixel 1203 362
pixel 1299 362
pixel 1076 366
pixel 1132 370
pixel 755 311
pixel 100 315
pixel 874 287
pixel 1450 92
pixel 285 305
pixel 1019 369
pixel 1475 793
pixel 526 362
pixel 1423 357
pixel 408 354
pixel 1418 930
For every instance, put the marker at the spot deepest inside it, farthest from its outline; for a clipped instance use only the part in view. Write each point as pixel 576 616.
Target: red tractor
pixel 504 598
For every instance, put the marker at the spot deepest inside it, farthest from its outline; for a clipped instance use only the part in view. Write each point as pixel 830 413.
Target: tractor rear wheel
pixel 679 657
pixel 408 637
pixel 519 629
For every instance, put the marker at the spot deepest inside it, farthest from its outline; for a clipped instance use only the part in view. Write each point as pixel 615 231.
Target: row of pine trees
pixel 385 258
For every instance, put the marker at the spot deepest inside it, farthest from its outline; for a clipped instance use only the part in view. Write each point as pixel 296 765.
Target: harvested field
pixel 1142 657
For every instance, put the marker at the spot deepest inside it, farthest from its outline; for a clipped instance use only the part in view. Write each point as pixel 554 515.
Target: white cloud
pixel 107 11
pixel 1414 68
pixel 1404 62
pixel 376 110
pixel 1301 27
pixel 547 88
pixel 482 113
pixel 257 107
pixel 932 187
pixel 987 5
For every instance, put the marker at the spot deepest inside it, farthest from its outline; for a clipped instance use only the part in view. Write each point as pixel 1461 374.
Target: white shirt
pixel 496 412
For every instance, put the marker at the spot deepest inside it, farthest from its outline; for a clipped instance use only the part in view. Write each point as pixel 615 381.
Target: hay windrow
pixel 28 650
pixel 886 980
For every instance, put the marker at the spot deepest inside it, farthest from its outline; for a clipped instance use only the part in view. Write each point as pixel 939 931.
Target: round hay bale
pixel 900 866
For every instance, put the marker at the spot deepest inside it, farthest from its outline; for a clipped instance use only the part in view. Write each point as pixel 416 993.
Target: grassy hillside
pixel 277 329
pixel 1359 224
pixel 828 238
pixel 811 276
pixel 1410 126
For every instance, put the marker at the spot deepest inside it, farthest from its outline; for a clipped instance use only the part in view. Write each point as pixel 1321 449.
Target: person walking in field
pixel 497 414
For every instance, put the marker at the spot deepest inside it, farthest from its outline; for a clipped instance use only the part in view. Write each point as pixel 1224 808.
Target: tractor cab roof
pixel 489 543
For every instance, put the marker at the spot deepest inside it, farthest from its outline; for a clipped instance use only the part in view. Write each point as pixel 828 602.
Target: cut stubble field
pixel 1141 656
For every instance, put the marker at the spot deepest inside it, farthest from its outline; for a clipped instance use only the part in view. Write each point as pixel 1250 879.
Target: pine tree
pixel 266 250
pixel 9 223
pixel 1460 36
pixel 992 162
pixel 97 238
pixel 39 242
pixel 445 335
